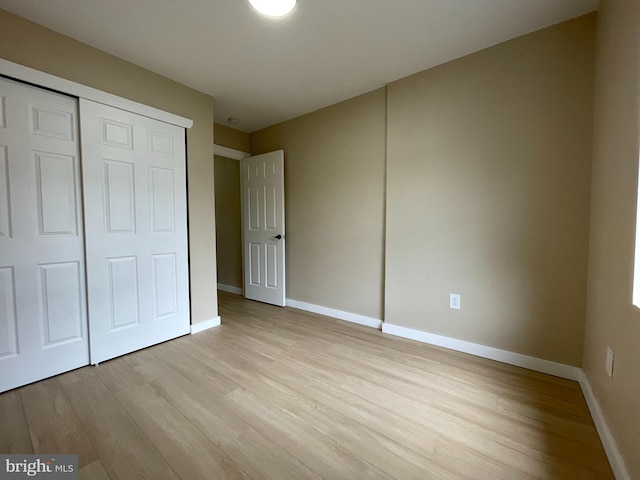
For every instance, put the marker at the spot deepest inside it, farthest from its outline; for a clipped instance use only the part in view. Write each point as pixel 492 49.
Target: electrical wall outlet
pixel 610 362
pixel 454 301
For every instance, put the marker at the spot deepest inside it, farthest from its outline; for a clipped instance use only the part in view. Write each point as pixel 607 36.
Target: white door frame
pixel 231 153
pixel 239 155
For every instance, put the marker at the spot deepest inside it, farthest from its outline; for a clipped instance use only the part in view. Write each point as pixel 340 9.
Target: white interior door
pixel 134 177
pixel 43 323
pixel 263 235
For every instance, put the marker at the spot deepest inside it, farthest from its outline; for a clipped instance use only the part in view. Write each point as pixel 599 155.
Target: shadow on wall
pixel 228 221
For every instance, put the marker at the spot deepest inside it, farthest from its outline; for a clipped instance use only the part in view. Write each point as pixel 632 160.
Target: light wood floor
pixel 282 394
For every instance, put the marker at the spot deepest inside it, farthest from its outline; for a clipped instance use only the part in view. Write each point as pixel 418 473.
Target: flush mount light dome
pixel 273 8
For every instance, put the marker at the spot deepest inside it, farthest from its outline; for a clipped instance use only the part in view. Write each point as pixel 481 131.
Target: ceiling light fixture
pixel 273 8
pixel 233 121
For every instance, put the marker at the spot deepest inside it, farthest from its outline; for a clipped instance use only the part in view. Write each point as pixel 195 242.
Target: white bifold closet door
pixel 82 287
pixel 43 324
pixel 133 171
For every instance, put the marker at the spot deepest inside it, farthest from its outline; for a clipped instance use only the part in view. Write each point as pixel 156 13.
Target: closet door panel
pixel 43 321
pixel 134 177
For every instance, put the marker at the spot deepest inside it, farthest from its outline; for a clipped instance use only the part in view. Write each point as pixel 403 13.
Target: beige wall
pixel 334 196
pixel 230 137
pixel 29 44
pixel 228 221
pixel 488 178
pixel 611 319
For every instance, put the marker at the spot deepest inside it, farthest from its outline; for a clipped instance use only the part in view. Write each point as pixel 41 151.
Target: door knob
pixel 277 237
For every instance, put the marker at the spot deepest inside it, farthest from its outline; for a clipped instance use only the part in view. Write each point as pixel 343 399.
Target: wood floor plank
pixel 195 366
pixel 292 436
pixel 136 358
pixel 189 452
pixel 520 451
pixel 125 451
pixel 534 405
pixel 260 457
pixel 411 435
pixel 305 409
pixel 14 434
pixel 322 455
pixel 117 374
pixel 256 343
pixel 230 363
pixel 93 471
pixel 471 464
pixel 302 473
pixel 76 375
pixel 401 378
pixel 47 409
pixel 259 331
pixel 533 440
pixel 387 455
pixel 195 402
pixel 550 419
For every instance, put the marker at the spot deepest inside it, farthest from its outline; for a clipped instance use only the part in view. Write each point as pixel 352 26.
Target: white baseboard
pixel 504 356
pixel 339 314
pixel 230 289
pixel 206 325
pixel 610 447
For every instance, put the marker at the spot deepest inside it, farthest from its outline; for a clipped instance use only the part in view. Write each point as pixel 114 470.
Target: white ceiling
pixel 263 70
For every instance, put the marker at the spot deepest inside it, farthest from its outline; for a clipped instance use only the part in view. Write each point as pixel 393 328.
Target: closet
pixel 93 233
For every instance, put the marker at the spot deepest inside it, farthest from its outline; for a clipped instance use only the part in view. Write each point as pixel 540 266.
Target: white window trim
pixel 36 77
